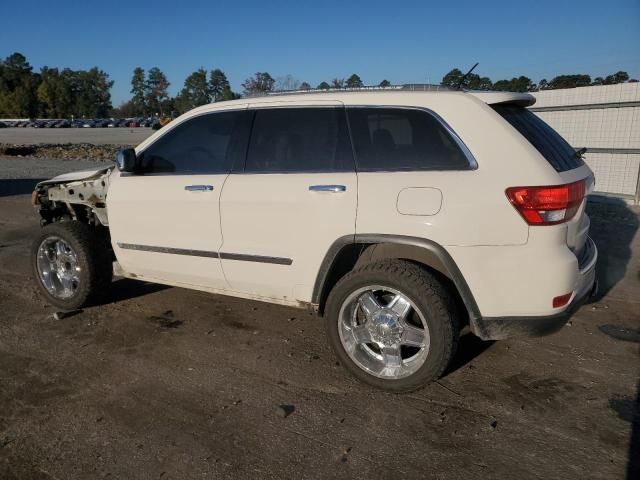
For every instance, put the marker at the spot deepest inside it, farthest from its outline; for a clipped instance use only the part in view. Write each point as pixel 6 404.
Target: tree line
pixel 473 81
pixel 150 94
pixel 62 93
pixel 52 92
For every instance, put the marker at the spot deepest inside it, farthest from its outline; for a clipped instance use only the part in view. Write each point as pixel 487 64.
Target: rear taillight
pixel 547 205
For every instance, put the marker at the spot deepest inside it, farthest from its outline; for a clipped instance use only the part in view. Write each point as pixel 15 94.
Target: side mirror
pixel 126 160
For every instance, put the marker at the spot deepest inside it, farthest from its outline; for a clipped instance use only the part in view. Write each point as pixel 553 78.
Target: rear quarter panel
pixel 474 209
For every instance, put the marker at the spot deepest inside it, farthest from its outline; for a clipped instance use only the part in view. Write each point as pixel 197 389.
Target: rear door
pixel 296 195
pixel 164 221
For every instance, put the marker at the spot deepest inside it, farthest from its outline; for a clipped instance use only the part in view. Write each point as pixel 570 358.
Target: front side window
pixel 290 140
pixel 206 144
pixel 396 139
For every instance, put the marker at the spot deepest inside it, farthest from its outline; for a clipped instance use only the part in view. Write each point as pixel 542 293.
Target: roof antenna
pixel 464 77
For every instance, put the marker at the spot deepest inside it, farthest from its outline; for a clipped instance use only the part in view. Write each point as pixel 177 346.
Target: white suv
pixel 400 216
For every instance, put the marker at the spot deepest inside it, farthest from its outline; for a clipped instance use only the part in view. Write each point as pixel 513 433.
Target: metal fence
pixel 606 120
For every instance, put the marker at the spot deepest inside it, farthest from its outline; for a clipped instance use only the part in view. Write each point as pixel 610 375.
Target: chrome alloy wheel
pixel 58 268
pixel 384 332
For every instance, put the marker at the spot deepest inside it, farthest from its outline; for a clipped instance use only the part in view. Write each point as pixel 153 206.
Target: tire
pixel 84 263
pixel 400 283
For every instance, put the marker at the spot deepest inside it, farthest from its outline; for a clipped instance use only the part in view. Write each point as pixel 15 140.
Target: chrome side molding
pixel 207 253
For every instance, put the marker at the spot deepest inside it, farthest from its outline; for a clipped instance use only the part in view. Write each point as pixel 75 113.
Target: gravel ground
pixel 171 383
pixel 97 136
pixel 167 383
pixel 37 154
pixel 26 168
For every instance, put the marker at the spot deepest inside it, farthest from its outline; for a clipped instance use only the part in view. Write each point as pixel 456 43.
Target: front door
pixel 296 196
pixel 164 221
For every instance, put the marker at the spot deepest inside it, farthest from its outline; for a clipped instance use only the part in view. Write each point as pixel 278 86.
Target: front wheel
pixel 392 324
pixel 71 264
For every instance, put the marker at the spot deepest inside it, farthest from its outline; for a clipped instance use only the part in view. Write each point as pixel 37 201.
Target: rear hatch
pixel 563 158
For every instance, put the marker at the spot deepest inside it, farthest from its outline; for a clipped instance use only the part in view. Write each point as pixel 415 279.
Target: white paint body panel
pixel 156 210
pixel 276 215
pixel 75 176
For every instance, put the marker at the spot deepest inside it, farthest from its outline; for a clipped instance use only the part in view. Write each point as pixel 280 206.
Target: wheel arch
pixel 353 251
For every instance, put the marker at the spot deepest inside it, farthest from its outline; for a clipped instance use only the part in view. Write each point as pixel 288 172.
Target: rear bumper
pixel 498 328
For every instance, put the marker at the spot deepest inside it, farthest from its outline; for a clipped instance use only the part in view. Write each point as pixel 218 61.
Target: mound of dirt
pixel 69 151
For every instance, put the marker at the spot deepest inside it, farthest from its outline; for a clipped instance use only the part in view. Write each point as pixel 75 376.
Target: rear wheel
pixel 392 324
pixel 71 264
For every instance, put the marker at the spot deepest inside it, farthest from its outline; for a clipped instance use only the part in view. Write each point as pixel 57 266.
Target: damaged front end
pixel 79 196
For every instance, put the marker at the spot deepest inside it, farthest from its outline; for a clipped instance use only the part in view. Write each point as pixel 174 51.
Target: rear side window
pixel 289 140
pixel 545 139
pixel 206 144
pixel 403 139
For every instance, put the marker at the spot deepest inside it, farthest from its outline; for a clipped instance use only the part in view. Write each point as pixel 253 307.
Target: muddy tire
pixel 71 264
pixel 393 325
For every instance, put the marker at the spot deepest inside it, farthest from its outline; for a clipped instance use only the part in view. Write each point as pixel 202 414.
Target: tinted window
pixel 545 139
pixel 299 140
pixel 204 144
pixel 403 139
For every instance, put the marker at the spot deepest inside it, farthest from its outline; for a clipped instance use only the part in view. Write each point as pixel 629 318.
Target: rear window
pixel 560 155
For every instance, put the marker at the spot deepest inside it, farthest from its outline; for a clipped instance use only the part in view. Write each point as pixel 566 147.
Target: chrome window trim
pixel 473 164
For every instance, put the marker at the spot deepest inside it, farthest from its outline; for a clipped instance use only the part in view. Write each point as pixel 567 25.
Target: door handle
pixel 198 188
pixel 327 188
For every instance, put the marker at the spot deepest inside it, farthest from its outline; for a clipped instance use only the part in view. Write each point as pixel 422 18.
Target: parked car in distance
pixel 401 217
pixel 3 125
pixel 76 123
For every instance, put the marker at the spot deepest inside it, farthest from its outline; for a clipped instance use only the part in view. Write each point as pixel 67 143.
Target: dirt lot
pixel 166 383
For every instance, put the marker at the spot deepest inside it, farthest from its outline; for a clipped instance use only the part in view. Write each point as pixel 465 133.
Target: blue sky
pixel 417 41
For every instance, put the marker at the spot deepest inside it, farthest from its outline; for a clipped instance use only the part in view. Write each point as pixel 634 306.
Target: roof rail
pixel 414 87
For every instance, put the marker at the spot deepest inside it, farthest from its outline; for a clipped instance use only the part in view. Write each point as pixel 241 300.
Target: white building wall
pixel 603 117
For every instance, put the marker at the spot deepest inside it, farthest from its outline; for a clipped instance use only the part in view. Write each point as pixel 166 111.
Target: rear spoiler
pixel 512 98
